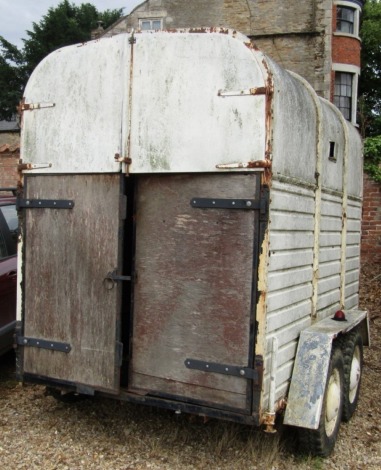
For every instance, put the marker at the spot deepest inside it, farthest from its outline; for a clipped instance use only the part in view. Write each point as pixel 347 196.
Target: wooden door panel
pixel 68 253
pixel 193 287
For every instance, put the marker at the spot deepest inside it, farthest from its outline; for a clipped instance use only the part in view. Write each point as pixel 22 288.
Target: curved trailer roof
pixel 183 101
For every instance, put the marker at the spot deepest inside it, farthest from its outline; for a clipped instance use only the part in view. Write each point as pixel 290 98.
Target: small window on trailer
pixel 332 151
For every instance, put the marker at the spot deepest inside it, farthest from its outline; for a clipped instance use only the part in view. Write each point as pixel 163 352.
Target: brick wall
pixel 371 223
pixel 8 167
pixel 346 50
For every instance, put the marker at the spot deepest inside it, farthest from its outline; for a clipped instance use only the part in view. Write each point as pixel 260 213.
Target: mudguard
pixel 310 372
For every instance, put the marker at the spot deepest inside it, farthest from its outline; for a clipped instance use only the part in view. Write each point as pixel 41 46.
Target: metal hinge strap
pixel 207 203
pixel 247 92
pixel 43 344
pixel 252 165
pixel 44 204
pixel 236 371
pixel 33 106
pixel 33 166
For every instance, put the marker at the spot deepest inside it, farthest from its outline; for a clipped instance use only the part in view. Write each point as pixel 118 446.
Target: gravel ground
pixel 36 431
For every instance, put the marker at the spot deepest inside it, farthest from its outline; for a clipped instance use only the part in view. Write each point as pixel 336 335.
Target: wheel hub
pixel 333 402
pixel 355 375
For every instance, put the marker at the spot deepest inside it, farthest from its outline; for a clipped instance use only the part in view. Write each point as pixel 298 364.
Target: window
pixel 345 20
pixel 150 24
pixel 332 151
pixel 343 93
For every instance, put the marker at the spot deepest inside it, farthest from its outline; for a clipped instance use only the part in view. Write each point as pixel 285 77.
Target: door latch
pixel 112 277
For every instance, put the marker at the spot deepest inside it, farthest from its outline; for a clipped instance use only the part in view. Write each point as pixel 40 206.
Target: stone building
pixel 318 39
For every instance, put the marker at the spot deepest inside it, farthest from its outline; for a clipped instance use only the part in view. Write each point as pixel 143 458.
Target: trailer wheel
pixel 321 441
pixel 352 348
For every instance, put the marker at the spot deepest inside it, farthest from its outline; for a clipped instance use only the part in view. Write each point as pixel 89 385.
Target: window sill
pixel 347 35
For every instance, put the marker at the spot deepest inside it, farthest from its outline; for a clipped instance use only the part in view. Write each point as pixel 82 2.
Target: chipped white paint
pixel 178 121
pixel 82 132
pixel 158 101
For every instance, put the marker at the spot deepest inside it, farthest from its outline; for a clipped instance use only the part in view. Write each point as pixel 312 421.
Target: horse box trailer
pixel 190 233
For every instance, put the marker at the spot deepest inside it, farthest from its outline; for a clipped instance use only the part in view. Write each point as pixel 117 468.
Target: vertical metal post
pixel 318 193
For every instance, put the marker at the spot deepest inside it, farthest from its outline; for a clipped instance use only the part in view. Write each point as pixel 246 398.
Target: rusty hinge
pixel 119 159
pixel 226 369
pixel 33 106
pixel 239 165
pixel 247 92
pixel 33 166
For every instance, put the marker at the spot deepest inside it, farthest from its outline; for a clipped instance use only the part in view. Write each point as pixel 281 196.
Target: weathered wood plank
pixel 193 287
pixel 68 254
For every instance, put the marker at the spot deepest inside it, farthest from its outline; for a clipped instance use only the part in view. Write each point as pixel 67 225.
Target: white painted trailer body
pixel 161 109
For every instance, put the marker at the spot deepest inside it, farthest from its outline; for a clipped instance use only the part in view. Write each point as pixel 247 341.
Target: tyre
pixel 352 349
pixel 321 441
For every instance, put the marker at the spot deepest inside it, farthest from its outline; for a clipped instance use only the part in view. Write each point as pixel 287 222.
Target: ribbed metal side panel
pixel 290 273
pixel 290 269
pixel 329 255
pixel 352 265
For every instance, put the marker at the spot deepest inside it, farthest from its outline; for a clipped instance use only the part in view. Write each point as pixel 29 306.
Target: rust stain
pixel 198 30
pixel 24 166
pixel 252 164
pixel 120 159
pixel 127 159
pixel 258 91
pixel 269 422
pixel 212 29
pixel 20 109
pixel 260 164
pixel 32 106
pixel 266 178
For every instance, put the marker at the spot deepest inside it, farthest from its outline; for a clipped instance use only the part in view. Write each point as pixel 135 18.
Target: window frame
pixel 341 21
pixel 346 84
pixel 355 72
pixel 355 7
pixel 151 20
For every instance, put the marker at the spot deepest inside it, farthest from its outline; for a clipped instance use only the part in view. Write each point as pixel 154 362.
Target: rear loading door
pixel 71 312
pixel 194 285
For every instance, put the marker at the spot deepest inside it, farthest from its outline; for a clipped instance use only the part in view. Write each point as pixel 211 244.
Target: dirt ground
pixel 36 431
